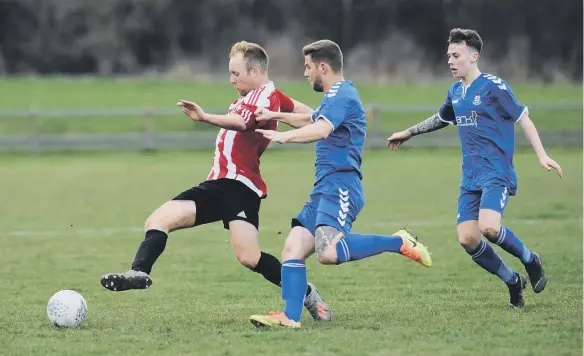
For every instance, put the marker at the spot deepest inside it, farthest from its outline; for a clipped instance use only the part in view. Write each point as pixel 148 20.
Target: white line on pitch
pixel 264 227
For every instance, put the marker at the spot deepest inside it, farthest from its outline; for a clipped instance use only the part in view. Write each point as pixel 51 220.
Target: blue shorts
pixel 334 201
pixel 494 197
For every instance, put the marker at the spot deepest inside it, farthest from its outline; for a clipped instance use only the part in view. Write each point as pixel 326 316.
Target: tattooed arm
pixel 432 123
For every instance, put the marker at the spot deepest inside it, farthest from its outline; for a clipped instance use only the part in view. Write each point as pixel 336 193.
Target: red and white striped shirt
pixel 237 153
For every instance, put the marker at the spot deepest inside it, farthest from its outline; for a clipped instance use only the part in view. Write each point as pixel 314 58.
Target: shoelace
pixel 409 231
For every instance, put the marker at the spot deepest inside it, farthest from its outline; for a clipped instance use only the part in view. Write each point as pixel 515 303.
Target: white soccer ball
pixel 67 309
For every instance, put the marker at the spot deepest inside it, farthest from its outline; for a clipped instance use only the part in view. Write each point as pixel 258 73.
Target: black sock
pixel 271 268
pixel 149 250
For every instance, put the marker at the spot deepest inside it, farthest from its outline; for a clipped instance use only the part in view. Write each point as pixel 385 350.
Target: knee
pixel 248 259
pixel 490 231
pixel 469 241
pixel 157 222
pixel 153 223
pixel 292 251
pixel 327 257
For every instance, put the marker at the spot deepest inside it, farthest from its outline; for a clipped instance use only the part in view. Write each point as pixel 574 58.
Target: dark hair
pixel 469 37
pixel 253 53
pixel 325 51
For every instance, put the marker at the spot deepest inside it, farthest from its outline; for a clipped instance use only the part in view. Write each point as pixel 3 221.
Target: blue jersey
pixel 485 114
pixel 342 150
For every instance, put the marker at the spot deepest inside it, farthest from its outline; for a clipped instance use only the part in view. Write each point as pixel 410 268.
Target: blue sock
pixel 486 256
pixel 354 247
pixel 511 243
pixel 294 285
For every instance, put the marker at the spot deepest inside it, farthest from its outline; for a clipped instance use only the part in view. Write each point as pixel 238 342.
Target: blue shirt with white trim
pixel 485 113
pixel 342 150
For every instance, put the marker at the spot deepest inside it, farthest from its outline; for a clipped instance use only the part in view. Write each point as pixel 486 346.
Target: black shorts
pixel 223 200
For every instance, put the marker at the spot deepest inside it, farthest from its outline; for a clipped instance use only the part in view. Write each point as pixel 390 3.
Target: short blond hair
pixel 325 51
pixel 254 55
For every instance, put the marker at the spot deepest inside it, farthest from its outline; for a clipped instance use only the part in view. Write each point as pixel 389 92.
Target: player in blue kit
pixel 324 224
pixel 485 110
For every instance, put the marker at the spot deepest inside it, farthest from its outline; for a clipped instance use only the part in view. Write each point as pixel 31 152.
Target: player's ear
pixel 254 72
pixel 475 56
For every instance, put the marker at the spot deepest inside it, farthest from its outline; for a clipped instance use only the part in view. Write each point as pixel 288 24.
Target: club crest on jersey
pixel 477 99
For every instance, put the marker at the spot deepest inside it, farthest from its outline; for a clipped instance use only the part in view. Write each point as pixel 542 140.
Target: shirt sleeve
pixel 286 104
pixel 334 111
pixel 446 112
pixel 247 112
pixel 507 105
pixel 270 102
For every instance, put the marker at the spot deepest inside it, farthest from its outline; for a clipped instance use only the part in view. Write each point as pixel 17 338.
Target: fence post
pixel 149 126
pixel 33 138
pixel 372 116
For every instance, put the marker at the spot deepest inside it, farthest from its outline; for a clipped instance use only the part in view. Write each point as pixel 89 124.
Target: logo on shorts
pixel 344 206
pixel 504 198
pixel 242 215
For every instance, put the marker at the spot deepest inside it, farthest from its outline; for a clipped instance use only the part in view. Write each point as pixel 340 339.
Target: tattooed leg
pixel 334 247
pixel 326 238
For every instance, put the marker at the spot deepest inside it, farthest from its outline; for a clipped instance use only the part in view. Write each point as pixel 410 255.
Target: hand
pixel 274 136
pixel 263 114
pixel 395 140
pixel 192 110
pixel 549 163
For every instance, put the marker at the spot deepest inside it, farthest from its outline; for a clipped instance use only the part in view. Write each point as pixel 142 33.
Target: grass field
pixel 67 219
pixel 18 93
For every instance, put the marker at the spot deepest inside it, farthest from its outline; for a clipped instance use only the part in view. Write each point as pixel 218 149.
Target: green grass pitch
pixel 67 219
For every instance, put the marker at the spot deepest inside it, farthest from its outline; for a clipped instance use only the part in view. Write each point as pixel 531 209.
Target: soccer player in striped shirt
pixel 234 188
pixel 485 110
